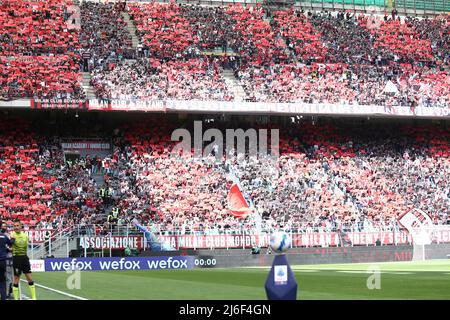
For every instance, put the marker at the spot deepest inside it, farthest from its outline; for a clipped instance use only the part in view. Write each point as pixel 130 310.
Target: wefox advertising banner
pixel 129 263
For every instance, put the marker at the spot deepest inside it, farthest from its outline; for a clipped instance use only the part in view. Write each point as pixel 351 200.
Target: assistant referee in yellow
pixel 21 262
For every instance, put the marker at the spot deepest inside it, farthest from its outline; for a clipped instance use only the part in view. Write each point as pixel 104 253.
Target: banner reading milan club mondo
pixel 314 239
pixel 214 241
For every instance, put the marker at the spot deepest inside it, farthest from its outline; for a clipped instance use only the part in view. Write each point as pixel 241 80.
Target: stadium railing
pixel 129 229
pixel 418 7
pixel 41 245
pixel 63 243
pixel 415 7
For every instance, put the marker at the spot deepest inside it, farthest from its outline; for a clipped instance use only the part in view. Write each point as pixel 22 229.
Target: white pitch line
pixel 371 270
pixel 385 270
pixel 394 272
pixel 57 291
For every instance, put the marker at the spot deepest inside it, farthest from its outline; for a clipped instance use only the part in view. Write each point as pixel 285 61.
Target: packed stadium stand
pixel 331 175
pixel 38 51
pixel 286 55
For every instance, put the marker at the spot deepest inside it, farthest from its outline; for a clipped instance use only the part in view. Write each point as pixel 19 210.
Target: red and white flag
pixel 419 225
pixel 237 204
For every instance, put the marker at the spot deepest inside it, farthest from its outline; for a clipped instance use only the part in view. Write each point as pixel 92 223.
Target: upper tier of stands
pixel 280 56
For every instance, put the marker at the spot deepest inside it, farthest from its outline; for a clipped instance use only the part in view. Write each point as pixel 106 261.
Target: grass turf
pixel 400 280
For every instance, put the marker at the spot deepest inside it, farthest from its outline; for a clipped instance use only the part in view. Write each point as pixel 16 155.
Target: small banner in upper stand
pixel 58 104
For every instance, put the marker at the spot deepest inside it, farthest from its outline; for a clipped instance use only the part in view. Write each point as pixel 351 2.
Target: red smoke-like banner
pixel 236 203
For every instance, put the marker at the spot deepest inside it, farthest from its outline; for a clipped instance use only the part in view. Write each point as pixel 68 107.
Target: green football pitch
pixel 399 280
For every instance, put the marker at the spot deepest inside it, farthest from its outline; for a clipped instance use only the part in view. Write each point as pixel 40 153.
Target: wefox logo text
pixel 140 263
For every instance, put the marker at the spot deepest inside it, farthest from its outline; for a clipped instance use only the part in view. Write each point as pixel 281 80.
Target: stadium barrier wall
pixel 241 258
pixel 247 241
pixel 304 256
pixel 437 251
pixel 45 243
pixel 311 256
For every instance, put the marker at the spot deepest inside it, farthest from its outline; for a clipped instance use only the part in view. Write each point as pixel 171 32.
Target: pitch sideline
pixel 56 291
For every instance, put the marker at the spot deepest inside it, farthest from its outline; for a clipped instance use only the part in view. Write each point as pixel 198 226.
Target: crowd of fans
pixel 327 177
pixel 174 192
pixel 210 25
pixel 300 36
pixel 367 61
pixel 38 45
pixel 104 36
pixel 436 30
pixel 43 188
pixel 36 27
pixel 25 190
pixel 399 38
pixel 40 77
pixel 294 83
pixel 254 39
pixel 170 66
pixel 163 30
pixel 340 178
pixel 278 56
pixel 190 79
pixel 292 56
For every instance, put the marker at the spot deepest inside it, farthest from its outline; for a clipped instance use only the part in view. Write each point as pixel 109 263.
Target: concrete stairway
pixel 233 85
pixel 86 84
pixel 132 29
pixel 99 179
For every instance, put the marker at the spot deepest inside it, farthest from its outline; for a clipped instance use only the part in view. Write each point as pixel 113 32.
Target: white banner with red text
pixel 305 108
pixel 291 108
pixel 316 239
pixel 40 236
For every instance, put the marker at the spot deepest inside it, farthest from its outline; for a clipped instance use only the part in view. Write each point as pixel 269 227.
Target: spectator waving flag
pixel 237 204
